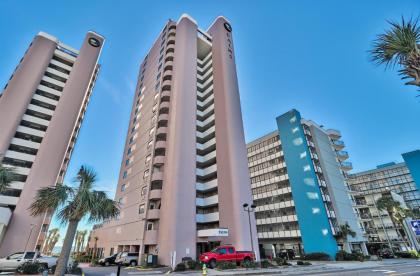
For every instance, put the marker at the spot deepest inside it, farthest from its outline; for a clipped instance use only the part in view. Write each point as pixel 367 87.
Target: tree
pixel 50 241
pixel 396 213
pixel 400 46
pixel 74 203
pixel 345 231
pixel 7 176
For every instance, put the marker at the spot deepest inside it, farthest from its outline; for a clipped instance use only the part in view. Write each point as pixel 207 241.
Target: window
pixel 143 190
pixel 141 209
pixel 125 175
pixel 146 174
pixel 122 187
pixel 149 226
pixel 148 158
pixel 230 250
pixel 120 201
pixel 129 150
pixel 127 162
pixel 221 250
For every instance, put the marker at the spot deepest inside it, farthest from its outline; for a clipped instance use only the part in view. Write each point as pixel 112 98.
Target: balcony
pixel 334 134
pixel 206 186
pixel 31 131
pixel 161 130
pixel 8 200
pixel 151 237
pixel 346 166
pixel 153 214
pixel 163 117
pixel 158 160
pixel 20 156
pixel 35 120
pixel 155 194
pixel 206 158
pixel 25 143
pixel 342 155
pixel 160 145
pixel 5 215
pixel 165 96
pixel 205 218
pixel 207 171
pixel 207 201
pixel 157 176
pixel 168 65
pixel 338 144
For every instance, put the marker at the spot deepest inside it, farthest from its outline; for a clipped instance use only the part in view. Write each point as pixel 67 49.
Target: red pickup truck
pixel 226 254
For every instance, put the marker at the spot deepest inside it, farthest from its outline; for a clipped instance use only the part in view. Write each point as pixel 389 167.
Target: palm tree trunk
pixel 65 250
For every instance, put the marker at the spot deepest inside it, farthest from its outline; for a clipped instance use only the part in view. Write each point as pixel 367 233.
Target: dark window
pixel 221 250
pixel 33 125
pixel 12 192
pixel 66 62
pixel 16 162
pixel 54 76
pixel 50 85
pixel 231 250
pixel 28 137
pixel 23 149
pixel 47 95
pixel 43 104
pixel 29 255
pixel 58 68
pixel 38 114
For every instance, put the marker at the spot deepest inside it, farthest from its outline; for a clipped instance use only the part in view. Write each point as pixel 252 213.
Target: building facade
pixel 179 195
pixel 298 184
pixel 41 111
pixel 368 186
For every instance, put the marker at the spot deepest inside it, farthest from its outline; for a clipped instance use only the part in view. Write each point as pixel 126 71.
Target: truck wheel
pixel 247 261
pixel 107 263
pixel 133 263
pixel 212 263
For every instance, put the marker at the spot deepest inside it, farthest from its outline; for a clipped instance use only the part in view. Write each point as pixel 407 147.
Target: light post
pixel 249 210
pixel 30 233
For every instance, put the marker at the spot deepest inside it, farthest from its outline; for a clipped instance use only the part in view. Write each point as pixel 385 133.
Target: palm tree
pixel 396 213
pixel 400 46
pixel 345 231
pixel 7 176
pixel 74 204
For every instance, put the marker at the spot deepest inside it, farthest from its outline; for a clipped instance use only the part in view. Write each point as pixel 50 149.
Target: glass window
pixel 141 209
pixel 221 250
pixel 122 187
pixel 16 256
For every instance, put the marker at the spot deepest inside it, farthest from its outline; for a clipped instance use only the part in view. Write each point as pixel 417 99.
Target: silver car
pixel 127 258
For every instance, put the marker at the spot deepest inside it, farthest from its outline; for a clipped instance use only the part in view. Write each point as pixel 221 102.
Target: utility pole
pixel 249 210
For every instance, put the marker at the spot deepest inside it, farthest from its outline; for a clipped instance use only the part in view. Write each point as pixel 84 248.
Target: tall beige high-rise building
pixel 184 174
pixel 41 111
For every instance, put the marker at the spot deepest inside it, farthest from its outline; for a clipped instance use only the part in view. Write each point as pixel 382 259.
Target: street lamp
pixel 30 233
pixel 249 210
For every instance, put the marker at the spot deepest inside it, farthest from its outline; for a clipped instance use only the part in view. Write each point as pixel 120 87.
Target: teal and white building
pixel 298 183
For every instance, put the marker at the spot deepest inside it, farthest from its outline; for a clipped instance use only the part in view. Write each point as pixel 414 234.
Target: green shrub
pixel 30 268
pixel 250 264
pixel 225 265
pixel 412 254
pixel 317 256
pixel 303 263
pixel 345 256
pixel 281 261
pixel 191 264
pixel 180 267
pixel 94 262
pixel 265 264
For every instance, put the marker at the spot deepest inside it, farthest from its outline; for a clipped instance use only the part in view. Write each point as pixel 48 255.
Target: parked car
pixel 13 261
pixel 226 253
pixel 127 258
pixel 107 261
pixel 287 254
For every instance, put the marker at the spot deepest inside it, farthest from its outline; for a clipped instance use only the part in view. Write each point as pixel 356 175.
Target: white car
pixel 13 261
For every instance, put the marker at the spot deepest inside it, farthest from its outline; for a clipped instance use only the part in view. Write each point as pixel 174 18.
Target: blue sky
pixel 308 55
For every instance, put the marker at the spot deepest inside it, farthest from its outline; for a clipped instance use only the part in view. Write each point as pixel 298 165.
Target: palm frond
pixel 102 207
pixel 49 198
pixel 86 177
pixel 395 46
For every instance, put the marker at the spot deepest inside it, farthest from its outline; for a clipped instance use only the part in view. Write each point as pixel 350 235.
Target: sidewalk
pixel 316 267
